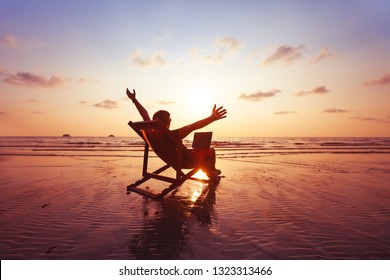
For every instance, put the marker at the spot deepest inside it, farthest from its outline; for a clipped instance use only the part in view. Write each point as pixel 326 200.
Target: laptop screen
pixel 202 140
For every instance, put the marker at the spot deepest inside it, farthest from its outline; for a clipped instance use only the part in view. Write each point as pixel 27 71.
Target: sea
pixel 232 147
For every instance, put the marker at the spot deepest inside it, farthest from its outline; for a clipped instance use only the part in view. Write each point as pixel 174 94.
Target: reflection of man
pixel 202 158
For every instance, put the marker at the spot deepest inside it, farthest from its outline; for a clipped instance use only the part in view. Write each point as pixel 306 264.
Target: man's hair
pixel 163 115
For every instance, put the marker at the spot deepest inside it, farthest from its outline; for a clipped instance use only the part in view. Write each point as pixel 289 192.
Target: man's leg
pixel 207 160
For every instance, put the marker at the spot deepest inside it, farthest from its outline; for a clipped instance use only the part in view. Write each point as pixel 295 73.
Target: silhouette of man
pixel 204 158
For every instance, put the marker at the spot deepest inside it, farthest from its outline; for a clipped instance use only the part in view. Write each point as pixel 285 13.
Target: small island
pixel 66 135
pixel 111 135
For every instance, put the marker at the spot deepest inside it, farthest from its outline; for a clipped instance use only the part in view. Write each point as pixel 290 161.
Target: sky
pixel 281 68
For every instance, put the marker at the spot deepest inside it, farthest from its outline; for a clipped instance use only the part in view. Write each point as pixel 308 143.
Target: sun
pixel 200 99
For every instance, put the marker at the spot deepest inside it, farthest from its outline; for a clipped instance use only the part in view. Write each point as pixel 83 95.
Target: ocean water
pixel 230 148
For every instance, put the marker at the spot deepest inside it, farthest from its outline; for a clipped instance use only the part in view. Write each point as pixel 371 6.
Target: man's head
pixel 164 117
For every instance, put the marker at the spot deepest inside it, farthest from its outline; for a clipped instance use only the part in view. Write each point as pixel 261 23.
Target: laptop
pixel 202 140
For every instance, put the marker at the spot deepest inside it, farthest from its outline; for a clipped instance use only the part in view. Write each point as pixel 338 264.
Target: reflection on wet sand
pixel 165 233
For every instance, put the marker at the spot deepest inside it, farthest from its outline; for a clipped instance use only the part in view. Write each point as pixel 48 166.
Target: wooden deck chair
pixel 169 149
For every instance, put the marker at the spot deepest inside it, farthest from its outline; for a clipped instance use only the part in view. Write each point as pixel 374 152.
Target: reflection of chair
pixel 169 149
pixel 164 233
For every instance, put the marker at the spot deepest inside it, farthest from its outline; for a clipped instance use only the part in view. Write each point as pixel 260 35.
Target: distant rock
pixel 111 135
pixel 66 135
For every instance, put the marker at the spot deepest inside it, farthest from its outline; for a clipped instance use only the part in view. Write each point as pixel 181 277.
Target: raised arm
pixel 216 114
pixel 142 111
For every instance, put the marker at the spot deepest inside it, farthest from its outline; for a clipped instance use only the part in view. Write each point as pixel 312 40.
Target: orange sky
pixel 291 68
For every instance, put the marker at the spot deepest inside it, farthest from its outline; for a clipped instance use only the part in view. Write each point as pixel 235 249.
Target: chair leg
pixel 168 190
pixel 179 182
pixel 175 183
pixel 143 192
pixel 137 183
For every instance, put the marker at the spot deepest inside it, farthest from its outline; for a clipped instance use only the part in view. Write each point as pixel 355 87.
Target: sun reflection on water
pixel 194 195
pixel 198 187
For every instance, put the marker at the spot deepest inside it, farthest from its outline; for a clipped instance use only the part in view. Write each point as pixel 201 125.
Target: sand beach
pixel 281 206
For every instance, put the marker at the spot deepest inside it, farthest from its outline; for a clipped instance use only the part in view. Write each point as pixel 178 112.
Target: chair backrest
pixel 160 139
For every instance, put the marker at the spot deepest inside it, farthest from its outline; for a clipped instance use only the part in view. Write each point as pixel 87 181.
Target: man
pixel 192 158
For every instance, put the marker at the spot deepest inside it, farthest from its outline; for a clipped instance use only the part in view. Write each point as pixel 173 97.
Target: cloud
pixel 384 80
pixel 28 79
pixel 193 51
pixel 163 37
pixel 107 104
pixel 36 112
pixel 285 112
pixel 371 119
pixel 325 53
pixel 3 113
pixel 32 100
pixel 256 52
pixel 166 102
pixel 143 59
pixel 316 91
pixel 11 42
pixel 214 58
pixel 334 110
pixel 259 95
pixel 285 53
pixel 222 48
pixel 228 42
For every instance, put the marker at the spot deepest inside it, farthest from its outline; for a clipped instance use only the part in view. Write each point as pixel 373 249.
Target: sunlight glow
pixel 200 100
pixel 200 175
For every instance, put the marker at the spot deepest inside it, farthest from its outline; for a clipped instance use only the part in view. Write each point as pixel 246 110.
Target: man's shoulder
pixel 175 133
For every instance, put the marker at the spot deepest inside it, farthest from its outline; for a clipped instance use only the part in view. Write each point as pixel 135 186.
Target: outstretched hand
pixel 218 113
pixel 130 94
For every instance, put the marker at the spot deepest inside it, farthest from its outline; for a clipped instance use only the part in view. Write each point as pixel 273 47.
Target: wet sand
pixel 327 206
